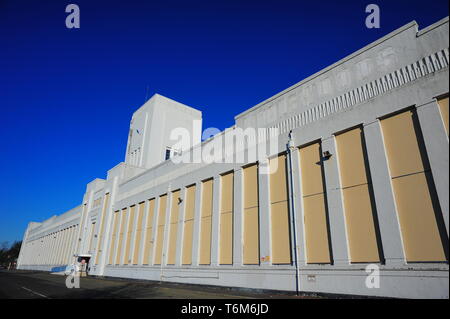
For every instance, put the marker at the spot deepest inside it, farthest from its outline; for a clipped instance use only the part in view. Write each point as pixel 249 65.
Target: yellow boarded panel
pixel 226 201
pixel 226 238
pixel 421 238
pixel 123 221
pixel 251 186
pixel 148 243
pixel 251 236
pixel 279 213
pixel 139 225
pixel 91 241
pixel 278 182
pixel 351 158
pixel 205 241
pixel 316 230
pixel 251 215
pixel 160 229
pixel 187 242
pixel 420 233
pixel 226 219
pixel 311 169
pixel 205 226
pixel 359 220
pixel 127 260
pixel 401 145
pixel 173 229
pixel 443 107
pixel 360 226
pixel 315 219
pixel 188 225
pixel 102 230
pixel 281 243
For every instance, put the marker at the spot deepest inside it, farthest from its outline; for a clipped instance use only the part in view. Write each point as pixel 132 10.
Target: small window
pixel 167 154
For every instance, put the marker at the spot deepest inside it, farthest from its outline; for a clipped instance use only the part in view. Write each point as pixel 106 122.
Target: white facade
pixel 405 70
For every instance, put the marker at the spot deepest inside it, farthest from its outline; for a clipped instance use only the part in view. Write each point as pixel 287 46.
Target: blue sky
pixel 67 95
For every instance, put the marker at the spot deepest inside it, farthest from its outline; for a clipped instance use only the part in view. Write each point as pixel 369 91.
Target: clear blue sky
pixel 67 95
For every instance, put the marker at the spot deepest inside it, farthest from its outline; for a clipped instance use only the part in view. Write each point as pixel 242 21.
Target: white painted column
pixel 335 207
pixel 384 198
pixel 264 213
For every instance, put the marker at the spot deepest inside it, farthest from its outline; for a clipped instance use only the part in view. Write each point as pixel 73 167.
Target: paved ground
pixel 21 284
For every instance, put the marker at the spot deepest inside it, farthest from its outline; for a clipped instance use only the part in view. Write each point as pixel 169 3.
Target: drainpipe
pixel 290 148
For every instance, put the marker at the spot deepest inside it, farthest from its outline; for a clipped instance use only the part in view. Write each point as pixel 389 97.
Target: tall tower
pixel 149 140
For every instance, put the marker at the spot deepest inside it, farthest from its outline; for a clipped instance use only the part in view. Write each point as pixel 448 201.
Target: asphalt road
pixel 41 285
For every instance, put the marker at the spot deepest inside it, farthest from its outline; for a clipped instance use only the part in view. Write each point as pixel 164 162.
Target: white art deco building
pixel 362 179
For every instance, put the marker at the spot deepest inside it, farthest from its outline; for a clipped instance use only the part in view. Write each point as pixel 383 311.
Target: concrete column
pixel 215 222
pixel 335 207
pixel 436 144
pixel 237 218
pixel 264 213
pixel 384 198
pixel 196 235
pixel 298 208
pixel 167 227
pixel 180 228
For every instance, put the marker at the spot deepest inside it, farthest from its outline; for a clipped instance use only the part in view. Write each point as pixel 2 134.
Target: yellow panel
pixel 102 229
pixel 278 182
pixel 351 158
pixel 281 242
pixel 187 242
pixel 148 244
pixel 205 241
pixel 172 249
pixel 401 144
pixel 127 260
pixel 190 202
pixel 316 230
pixel 188 225
pixel 160 229
pixel 123 221
pixel 137 243
pixel 226 238
pixel 251 236
pixel 226 220
pixel 226 202
pixel 419 229
pixel 251 186
pixel 311 169
pixel 91 240
pixel 207 195
pixel 443 106
pixel 360 226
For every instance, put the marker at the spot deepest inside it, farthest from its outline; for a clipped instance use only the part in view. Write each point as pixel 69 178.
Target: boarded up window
pixel 138 240
pixel 127 260
pixel 102 230
pixel 279 212
pixel 226 220
pixel 314 205
pixel 112 248
pixel 357 197
pixel 251 216
pixel 148 243
pixel 173 229
pixel 123 221
pixel 206 222
pixel 188 225
pixel 160 229
pixel 411 181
